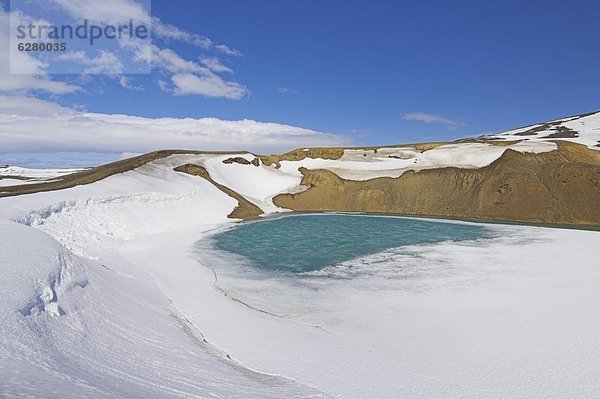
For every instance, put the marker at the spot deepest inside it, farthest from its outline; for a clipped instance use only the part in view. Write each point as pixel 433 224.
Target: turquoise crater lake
pixel 305 243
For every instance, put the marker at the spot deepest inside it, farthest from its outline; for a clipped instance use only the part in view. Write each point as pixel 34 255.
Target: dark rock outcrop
pixel 238 160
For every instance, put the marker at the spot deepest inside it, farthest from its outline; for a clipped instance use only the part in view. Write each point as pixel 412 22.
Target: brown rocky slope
pixel 557 187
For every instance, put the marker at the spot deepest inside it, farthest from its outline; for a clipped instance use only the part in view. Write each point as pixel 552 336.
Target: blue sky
pixel 358 66
pixel 374 72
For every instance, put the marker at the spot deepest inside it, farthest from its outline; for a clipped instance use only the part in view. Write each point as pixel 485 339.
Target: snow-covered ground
pixel 79 320
pixel 7 181
pixel 36 173
pixel 393 162
pixel 509 317
pixel 102 296
pixel 15 175
pixel 259 184
pixel 585 129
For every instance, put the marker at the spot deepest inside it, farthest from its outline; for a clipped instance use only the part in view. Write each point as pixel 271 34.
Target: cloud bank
pixel 30 124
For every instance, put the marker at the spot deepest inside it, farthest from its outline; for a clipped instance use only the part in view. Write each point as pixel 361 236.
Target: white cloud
pixel 106 11
pixel 186 77
pixel 127 83
pixel 32 75
pixel 164 86
pixel 129 53
pixel 215 65
pixel 31 107
pixel 190 78
pixel 27 83
pixel 170 61
pixel 432 118
pixel 171 32
pixel 104 63
pixel 228 50
pixel 29 124
pixel 209 85
pixel 121 11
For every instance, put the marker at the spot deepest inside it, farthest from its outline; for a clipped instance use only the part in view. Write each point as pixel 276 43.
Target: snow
pixel 72 328
pixel 393 162
pixel 97 325
pixel 587 128
pixel 16 176
pixel 258 184
pixel 36 173
pixel 510 317
pixel 103 296
pixel 14 182
pixel 358 164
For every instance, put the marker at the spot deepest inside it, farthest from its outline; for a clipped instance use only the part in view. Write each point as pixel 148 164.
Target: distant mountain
pixel 582 129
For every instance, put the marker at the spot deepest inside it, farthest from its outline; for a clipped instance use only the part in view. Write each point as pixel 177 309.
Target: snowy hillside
pixel 16 171
pixel 15 175
pixel 583 129
pixel 103 296
pixel 99 326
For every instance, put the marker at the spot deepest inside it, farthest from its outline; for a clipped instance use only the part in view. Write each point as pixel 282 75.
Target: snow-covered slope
pixel 74 328
pixel 96 325
pixel 359 164
pixel 35 173
pixel 393 162
pixel 102 295
pixel 583 129
pixel 15 175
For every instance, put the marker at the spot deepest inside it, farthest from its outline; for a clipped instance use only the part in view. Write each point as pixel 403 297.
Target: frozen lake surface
pixel 305 243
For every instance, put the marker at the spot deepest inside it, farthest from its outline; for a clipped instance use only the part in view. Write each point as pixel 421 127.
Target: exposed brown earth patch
pixel 245 210
pixel 557 187
pixel 300 154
